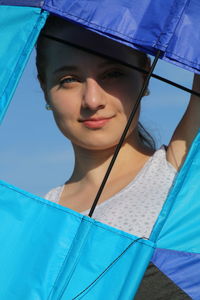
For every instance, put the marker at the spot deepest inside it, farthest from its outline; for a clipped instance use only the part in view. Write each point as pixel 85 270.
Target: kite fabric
pixel 52 252
pixel 19 29
pixel 168 25
pixel 49 252
pixel 171 26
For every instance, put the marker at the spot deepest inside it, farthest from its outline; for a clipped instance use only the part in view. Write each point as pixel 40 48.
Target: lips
pixel 96 122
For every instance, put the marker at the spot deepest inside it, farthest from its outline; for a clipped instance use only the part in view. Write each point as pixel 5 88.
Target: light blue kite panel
pixel 181 231
pixel 19 28
pixel 51 252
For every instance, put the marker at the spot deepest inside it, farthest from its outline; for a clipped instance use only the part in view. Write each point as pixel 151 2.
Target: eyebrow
pixel 66 68
pixel 108 63
pixel 72 68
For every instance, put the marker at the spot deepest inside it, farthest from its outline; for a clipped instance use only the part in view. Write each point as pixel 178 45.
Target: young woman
pixel 91 98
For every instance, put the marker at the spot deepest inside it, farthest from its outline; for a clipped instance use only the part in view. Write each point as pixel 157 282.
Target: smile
pixel 96 122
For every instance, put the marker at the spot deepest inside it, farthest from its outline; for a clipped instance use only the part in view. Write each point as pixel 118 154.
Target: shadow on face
pixel 79 84
pixel 71 33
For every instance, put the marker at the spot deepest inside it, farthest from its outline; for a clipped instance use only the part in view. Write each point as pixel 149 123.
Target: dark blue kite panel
pixel 147 22
pixel 184 46
pixel 182 268
pixel 171 26
pixel 145 25
pixel 32 3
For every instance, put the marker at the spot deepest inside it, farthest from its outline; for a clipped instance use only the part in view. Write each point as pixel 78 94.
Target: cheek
pixel 129 98
pixel 65 106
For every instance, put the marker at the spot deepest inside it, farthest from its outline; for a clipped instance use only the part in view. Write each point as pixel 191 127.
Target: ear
pixel 148 64
pixel 147 68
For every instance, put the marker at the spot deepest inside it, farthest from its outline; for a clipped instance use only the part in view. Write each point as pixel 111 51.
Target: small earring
pixel 147 92
pixel 48 107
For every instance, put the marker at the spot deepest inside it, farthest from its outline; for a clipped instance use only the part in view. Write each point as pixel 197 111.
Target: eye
pixel 68 81
pixel 112 74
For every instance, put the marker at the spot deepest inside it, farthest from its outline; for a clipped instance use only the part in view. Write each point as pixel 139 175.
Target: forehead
pixel 74 34
pixel 58 54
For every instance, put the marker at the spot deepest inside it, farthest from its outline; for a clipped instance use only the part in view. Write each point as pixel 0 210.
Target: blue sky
pixel 36 157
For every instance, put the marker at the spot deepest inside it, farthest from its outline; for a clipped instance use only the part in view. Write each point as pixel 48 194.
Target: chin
pixel 95 140
pixel 96 146
pixel 102 148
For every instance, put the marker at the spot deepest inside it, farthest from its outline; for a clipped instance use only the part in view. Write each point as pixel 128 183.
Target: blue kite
pixel 50 252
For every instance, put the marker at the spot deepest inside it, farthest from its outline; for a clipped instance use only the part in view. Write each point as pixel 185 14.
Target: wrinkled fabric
pixel 172 26
pixel 51 252
pixel 145 25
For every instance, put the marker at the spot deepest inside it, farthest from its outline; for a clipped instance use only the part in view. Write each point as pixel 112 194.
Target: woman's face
pixel 91 97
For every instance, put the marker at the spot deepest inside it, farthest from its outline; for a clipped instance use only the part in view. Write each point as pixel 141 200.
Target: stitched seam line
pixel 152 44
pixel 37 200
pixel 73 214
pixel 94 282
pixel 64 261
pixel 75 265
pixel 184 59
pixel 180 291
pixel 169 19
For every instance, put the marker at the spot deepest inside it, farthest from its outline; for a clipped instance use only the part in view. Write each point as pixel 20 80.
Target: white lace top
pixel 136 207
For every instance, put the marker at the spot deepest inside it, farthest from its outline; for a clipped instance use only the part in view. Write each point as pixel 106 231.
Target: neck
pixel 91 165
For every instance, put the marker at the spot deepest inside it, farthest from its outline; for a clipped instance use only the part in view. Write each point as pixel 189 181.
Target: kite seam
pixel 131 39
pixel 177 22
pixel 177 186
pixel 184 59
pixel 86 219
pixel 38 200
pixel 64 261
pixel 121 234
pixel 106 269
pixel 181 292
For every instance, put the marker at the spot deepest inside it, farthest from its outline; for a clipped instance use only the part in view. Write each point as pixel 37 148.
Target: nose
pixel 93 95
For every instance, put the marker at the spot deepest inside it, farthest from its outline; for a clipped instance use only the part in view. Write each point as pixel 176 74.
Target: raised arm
pixel 186 130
